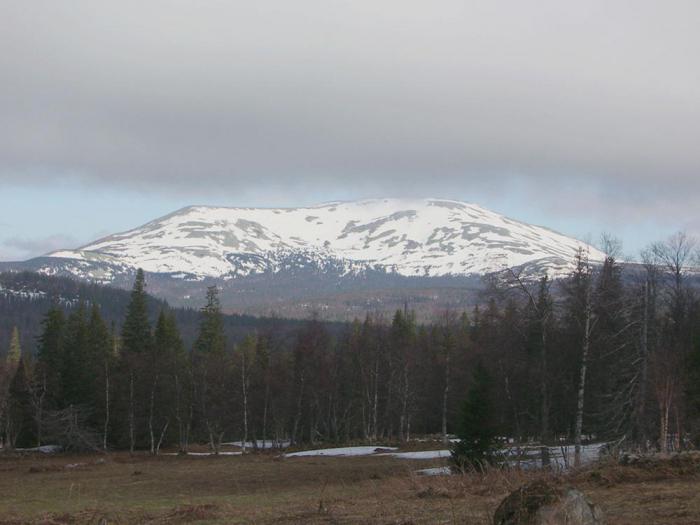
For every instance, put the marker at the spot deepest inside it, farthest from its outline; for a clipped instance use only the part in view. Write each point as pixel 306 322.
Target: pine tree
pixel 136 332
pixel 211 338
pixel 15 352
pixel 166 366
pixel 612 395
pixel 50 353
pixel 210 368
pixel 540 325
pixel 137 342
pixel 476 447
pixel 76 373
pixel 100 363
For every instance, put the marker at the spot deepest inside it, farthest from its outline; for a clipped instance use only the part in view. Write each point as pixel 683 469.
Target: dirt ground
pixel 262 488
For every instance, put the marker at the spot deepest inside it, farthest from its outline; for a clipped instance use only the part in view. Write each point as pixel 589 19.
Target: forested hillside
pixel 25 297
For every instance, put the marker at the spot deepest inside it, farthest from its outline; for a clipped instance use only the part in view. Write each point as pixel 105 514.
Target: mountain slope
pixel 425 238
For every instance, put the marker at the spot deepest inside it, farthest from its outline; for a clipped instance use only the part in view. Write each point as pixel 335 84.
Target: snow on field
pixel 434 471
pixel 268 443
pixel 560 457
pixel 422 454
pixel 222 453
pixel 343 451
pixel 524 457
pixel 44 449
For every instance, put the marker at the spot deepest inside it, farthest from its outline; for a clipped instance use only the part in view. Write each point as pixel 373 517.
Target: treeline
pixel 598 355
pixel 25 297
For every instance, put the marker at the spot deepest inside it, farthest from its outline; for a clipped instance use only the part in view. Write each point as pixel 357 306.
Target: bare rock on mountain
pixel 543 503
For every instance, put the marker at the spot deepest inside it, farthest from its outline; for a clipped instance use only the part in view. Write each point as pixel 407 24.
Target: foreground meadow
pixel 263 488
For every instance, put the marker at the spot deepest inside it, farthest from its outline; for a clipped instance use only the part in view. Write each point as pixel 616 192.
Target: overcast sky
pixel 582 116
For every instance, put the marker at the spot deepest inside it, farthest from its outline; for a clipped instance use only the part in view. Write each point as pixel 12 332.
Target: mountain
pixel 409 237
pixel 273 255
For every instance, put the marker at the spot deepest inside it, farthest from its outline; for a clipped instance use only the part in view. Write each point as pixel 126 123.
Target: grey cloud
pixel 25 247
pixel 385 96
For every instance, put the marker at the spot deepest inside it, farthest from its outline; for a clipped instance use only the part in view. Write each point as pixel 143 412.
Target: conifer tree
pixel 174 392
pixel 135 346
pixel 100 363
pixel 476 430
pixel 50 353
pixel 136 331
pixel 210 369
pixel 165 367
pixel 211 338
pixel 76 373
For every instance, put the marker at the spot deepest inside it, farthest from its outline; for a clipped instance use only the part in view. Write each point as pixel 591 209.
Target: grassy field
pixel 117 488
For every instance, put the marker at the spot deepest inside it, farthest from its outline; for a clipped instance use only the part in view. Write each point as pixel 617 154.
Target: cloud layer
pixel 385 97
pixel 25 247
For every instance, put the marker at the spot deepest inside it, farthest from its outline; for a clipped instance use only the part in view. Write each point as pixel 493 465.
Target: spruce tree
pixel 211 338
pixel 476 447
pixel 100 363
pixel 210 370
pixel 50 353
pixel 165 367
pixel 136 332
pixel 173 395
pixel 137 342
pixel 76 373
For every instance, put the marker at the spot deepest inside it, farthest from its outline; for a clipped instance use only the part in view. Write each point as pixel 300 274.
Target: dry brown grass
pixel 264 489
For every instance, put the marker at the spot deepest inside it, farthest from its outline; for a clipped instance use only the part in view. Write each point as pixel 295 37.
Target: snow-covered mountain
pixel 405 237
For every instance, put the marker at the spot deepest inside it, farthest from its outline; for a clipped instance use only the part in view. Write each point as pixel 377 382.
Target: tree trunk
pixel 105 428
pixel 375 402
pixel 131 413
pixel 544 407
pixel 297 417
pixel 582 382
pixel 404 406
pixel 151 410
pixel 644 374
pixel 162 436
pixel 445 394
pixel 265 405
pixel 245 402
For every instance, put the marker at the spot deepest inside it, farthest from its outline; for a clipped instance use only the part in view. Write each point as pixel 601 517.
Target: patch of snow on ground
pixel 435 471
pixel 223 453
pixel 44 449
pixel 560 458
pixel 421 454
pixel 268 443
pixel 343 451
